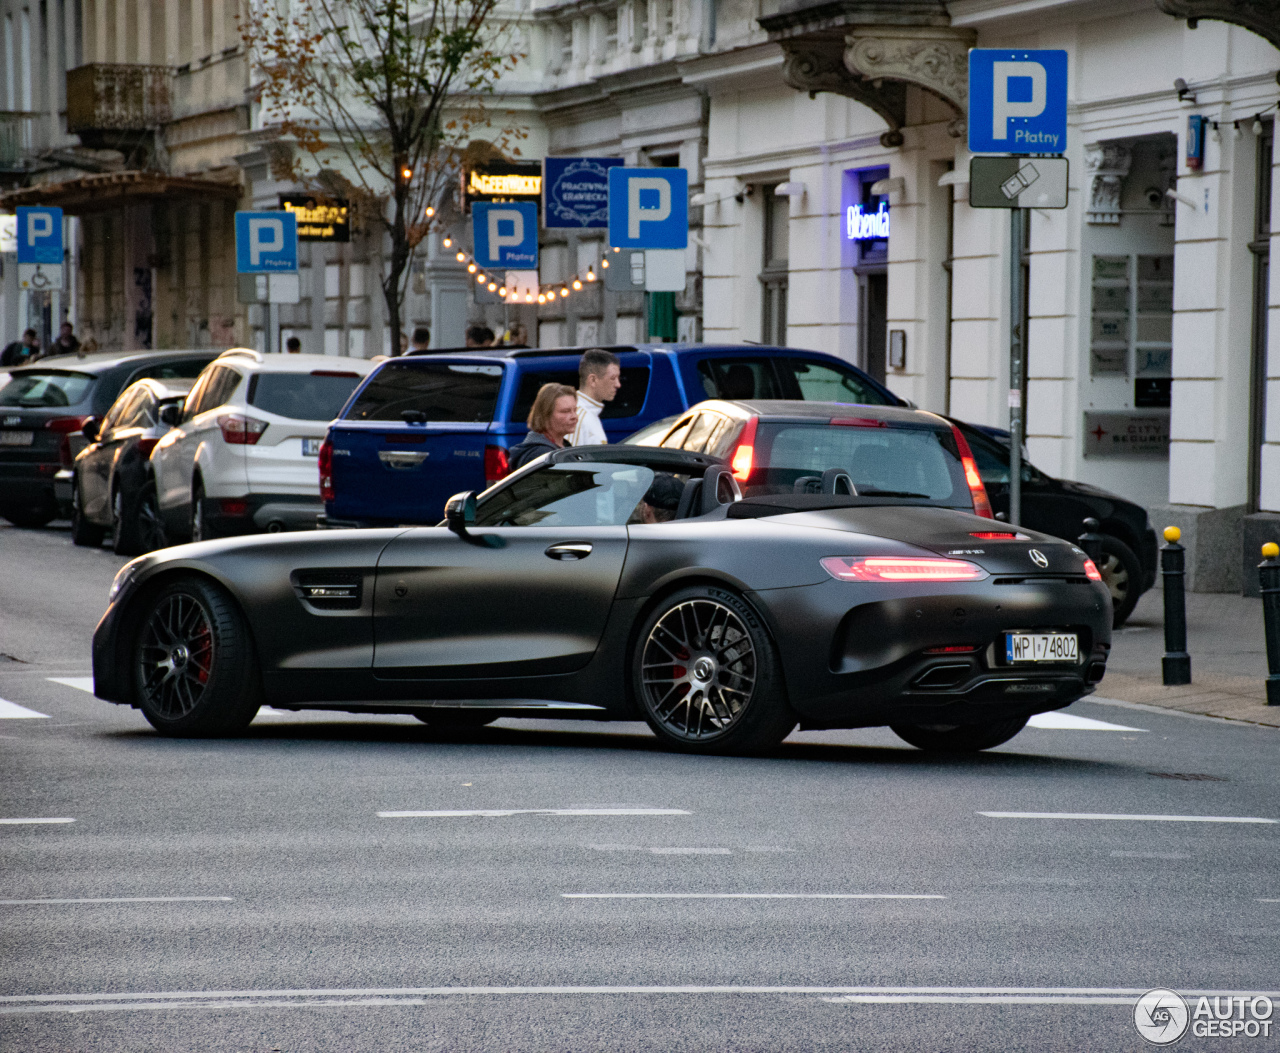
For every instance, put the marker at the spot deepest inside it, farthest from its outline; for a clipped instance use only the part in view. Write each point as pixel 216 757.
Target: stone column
pixel 450 287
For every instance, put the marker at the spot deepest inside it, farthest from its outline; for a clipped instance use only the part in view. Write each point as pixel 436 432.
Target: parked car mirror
pixel 170 413
pixel 90 429
pixel 460 512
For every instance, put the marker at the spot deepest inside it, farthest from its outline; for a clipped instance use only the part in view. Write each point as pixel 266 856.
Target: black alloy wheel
pixel 83 532
pixel 707 675
pixel 124 526
pixel 200 528
pixel 1122 574
pixel 959 738
pixel 194 668
pixel 151 533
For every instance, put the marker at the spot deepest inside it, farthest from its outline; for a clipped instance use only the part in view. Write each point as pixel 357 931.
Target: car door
pixel 532 601
pixel 94 468
pixel 199 422
pixel 169 451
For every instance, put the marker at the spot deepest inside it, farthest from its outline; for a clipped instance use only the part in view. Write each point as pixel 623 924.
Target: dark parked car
pixel 1060 506
pixel 112 489
pixel 43 408
pixel 624 582
pixel 1052 506
pixel 423 427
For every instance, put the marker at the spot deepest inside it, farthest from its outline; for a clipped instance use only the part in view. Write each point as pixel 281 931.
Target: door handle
pixel 570 550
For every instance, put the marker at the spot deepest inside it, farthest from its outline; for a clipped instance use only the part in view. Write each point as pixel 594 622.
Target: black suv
pixel 44 405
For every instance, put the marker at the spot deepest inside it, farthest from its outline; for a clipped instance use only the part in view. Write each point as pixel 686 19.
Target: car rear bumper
pixel 259 513
pixel 28 485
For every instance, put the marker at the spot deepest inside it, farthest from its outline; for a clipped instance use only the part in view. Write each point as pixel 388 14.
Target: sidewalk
pixel 1228 659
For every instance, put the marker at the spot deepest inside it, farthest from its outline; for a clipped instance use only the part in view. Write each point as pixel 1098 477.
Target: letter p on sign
pixel 1002 107
pixel 648 208
pixel 266 242
pixel 1017 101
pixel 265 235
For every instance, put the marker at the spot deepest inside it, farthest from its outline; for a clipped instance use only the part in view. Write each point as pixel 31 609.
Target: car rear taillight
pixel 496 464
pixel 901 568
pixel 65 426
pixel 145 446
pixel 1091 570
pixel 981 503
pixel 234 506
pixel 998 535
pixel 858 422
pixel 326 471
pixel 240 430
pixel 744 453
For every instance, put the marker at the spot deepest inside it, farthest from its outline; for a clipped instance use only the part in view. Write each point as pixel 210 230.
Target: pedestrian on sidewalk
pixel 66 344
pixel 21 352
pixel 599 378
pixel 553 416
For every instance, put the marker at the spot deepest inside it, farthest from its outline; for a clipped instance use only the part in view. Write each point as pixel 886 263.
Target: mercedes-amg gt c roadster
pixel 624 583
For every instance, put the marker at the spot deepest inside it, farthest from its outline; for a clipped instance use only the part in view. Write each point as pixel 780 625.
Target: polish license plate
pixel 1020 648
pixel 311 447
pixel 17 438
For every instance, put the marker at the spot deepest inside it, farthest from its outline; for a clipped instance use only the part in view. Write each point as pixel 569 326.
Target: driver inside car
pixel 661 500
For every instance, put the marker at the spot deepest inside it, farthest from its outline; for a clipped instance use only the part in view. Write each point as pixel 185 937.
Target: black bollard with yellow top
pixel 1176 664
pixel 1269 578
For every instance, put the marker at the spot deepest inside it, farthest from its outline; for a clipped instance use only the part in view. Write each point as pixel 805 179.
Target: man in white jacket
pixel 599 378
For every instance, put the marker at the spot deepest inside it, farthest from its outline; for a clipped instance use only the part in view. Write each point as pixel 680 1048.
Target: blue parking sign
pixel 266 242
pixel 505 234
pixel 1017 101
pixel 39 235
pixel 648 208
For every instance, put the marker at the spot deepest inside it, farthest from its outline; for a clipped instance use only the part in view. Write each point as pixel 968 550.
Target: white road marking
pixel 492 813
pixel 1059 721
pixel 267 711
pixel 680 851
pixel 11 1005
pixel 1150 855
pixel 745 895
pixel 118 899
pixel 1139 818
pixel 1269 901
pixel 80 683
pixel 25 822
pixel 13 711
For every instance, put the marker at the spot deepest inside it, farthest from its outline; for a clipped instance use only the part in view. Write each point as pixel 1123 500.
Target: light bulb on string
pixel 1257 124
pixel 604 264
pixel 616 249
pixel 447 243
pixel 461 256
pixel 564 290
pixel 493 287
pixel 591 275
pixel 528 297
pixel 577 284
pixel 542 298
pixel 1214 133
pixel 480 279
pixel 430 211
pixel 471 268
pixel 1236 127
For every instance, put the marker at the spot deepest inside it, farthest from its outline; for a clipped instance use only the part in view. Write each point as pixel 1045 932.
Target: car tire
pixel 200 528
pixel 1122 574
pixel 83 533
pixel 959 738
pixel 707 676
pixel 151 532
pixel 125 540
pixel 194 669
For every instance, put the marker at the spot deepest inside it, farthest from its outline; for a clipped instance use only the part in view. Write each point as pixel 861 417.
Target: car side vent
pixel 329 590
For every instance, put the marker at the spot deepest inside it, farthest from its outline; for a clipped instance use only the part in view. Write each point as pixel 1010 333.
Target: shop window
pixel 1131 328
pixel 773 274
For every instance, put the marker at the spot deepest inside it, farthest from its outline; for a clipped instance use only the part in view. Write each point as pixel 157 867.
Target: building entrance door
pixel 873 289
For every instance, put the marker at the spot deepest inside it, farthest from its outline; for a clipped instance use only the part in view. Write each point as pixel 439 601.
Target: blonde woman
pixel 553 417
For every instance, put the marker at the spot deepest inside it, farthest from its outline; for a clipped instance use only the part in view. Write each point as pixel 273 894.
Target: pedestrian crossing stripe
pixel 13 711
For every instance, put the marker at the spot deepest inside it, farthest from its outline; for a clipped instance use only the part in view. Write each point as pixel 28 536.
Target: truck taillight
pixel 981 503
pixel 326 471
pixel 496 463
pixel 239 430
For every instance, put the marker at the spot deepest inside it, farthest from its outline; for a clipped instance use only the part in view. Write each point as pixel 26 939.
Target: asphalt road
pixel 846 893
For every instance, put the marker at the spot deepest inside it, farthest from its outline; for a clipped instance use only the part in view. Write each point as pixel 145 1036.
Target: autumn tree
pixel 374 99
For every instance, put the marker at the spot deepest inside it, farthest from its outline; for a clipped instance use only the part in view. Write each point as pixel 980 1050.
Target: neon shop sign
pixel 865 226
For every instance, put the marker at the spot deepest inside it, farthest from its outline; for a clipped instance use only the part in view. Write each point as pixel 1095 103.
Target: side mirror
pixel 460 512
pixel 170 413
pixel 90 429
pixel 460 515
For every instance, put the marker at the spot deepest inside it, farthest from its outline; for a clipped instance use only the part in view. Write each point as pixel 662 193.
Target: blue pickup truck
pixel 423 427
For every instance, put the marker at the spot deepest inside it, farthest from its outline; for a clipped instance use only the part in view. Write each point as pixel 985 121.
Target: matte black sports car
pixel 616 583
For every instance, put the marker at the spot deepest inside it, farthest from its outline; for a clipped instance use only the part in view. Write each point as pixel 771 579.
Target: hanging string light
pixel 548 292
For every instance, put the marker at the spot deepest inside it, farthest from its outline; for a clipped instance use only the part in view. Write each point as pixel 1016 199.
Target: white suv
pixel 242 455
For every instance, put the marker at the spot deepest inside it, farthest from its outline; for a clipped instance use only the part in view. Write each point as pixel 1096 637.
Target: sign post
pixel 267 243
pixel 39 248
pixel 1017 105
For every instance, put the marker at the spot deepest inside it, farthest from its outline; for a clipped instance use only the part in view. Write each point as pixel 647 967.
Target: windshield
pixel 46 388
pixel 890 460
pixel 442 391
pixel 318 396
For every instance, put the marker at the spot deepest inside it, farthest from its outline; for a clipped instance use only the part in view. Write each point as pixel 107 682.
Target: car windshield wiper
pixel 865 492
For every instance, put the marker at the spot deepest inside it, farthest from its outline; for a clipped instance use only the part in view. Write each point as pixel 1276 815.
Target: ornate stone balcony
pixel 112 97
